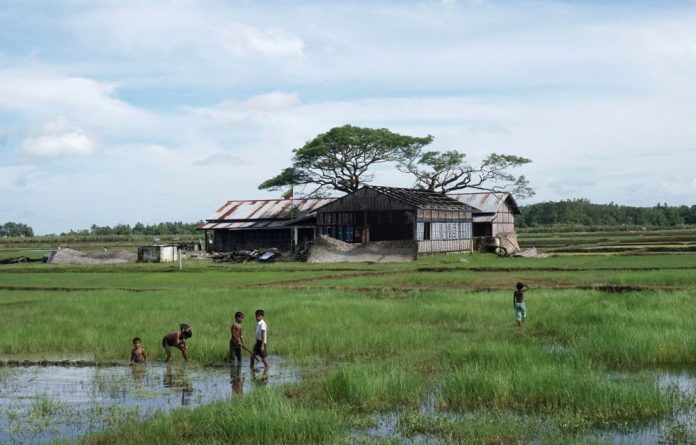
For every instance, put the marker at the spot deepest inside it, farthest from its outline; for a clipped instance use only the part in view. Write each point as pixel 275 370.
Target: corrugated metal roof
pixel 241 225
pixel 264 209
pixel 486 202
pixel 418 198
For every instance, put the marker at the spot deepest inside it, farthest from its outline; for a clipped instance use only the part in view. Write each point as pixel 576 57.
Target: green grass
pixel 264 416
pixel 585 360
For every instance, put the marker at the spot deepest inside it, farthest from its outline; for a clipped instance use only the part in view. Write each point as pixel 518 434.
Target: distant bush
pixel 12 229
pixel 580 213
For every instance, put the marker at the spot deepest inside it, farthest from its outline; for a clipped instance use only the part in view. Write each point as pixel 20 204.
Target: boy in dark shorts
pixel 237 339
pixel 260 346
pixel 178 340
pixel 138 354
pixel 518 301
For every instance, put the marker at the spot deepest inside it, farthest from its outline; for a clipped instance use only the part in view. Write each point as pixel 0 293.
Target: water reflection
pixel 259 378
pixel 176 377
pixel 138 372
pixel 77 400
pixel 237 380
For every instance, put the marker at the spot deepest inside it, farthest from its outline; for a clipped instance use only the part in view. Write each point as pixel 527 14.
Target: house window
pixel 422 231
pixel 465 230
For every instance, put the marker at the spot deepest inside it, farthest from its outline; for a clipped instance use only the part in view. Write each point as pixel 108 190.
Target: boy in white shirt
pixel 260 346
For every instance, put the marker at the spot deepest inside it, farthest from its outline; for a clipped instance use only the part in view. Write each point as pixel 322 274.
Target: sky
pixel 118 112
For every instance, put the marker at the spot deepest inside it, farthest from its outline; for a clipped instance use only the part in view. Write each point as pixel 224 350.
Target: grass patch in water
pixel 264 416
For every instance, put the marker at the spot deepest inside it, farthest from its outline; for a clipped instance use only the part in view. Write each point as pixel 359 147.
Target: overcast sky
pixel 124 111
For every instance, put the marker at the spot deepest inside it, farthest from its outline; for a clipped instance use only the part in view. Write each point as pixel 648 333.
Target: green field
pixel 431 345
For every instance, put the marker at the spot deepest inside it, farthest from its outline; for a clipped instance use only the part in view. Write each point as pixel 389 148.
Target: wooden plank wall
pixel 455 245
pixel 504 221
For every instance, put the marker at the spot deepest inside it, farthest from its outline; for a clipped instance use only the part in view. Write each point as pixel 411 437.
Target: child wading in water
pixel 178 340
pixel 260 346
pixel 518 301
pixel 237 340
pixel 138 354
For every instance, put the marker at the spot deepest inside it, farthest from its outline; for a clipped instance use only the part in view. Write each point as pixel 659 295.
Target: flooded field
pixel 676 430
pixel 46 403
pixel 680 428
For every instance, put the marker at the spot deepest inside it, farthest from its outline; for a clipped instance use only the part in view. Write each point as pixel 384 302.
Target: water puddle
pixel 387 428
pixel 47 403
pixel 387 425
pixel 679 429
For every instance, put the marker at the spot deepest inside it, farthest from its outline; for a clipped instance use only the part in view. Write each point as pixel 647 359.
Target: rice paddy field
pixel 422 352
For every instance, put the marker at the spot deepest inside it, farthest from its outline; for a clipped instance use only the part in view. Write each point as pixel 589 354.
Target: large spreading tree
pixel 340 159
pixel 448 171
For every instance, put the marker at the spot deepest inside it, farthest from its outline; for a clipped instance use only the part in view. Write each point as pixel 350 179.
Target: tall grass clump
pixel 551 388
pixel 369 387
pixel 263 416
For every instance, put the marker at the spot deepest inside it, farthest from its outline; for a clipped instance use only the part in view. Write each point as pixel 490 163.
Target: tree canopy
pixel 447 171
pixel 340 158
pixel 16 229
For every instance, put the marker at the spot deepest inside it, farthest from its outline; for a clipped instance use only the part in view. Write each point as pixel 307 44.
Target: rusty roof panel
pixel 245 210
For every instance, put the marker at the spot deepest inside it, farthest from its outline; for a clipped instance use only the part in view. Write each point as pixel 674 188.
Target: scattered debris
pixel 331 250
pixel 19 259
pixel 531 253
pixel 243 256
pixel 303 252
pixel 505 244
pixel 71 256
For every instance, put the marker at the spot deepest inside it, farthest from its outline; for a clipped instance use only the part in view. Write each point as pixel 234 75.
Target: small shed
pixel 258 224
pixel 438 223
pixel 158 253
pixel 493 214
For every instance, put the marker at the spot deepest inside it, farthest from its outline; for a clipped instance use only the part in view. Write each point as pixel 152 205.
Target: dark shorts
pixel 235 351
pixel 166 344
pixel 258 351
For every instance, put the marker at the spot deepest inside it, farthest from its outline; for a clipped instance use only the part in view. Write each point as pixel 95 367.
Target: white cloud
pixel 165 28
pixel 275 100
pixel 219 159
pixel 37 95
pixel 59 138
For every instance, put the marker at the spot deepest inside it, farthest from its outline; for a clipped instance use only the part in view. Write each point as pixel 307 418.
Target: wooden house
pixel 437 223
pixel 493 214
pixel 260 223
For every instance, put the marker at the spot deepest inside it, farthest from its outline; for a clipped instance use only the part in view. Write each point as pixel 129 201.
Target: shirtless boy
pixel 177 340
pixel 518 301
pixel 237 339
pixel 138 354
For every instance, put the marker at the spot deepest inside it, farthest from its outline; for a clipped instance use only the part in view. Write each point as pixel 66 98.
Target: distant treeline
pixel 18 230
pixel 15 230
pixel 164 228
pixel 581 212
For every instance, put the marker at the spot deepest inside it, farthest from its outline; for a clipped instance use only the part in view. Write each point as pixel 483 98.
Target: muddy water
pixel 45 403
